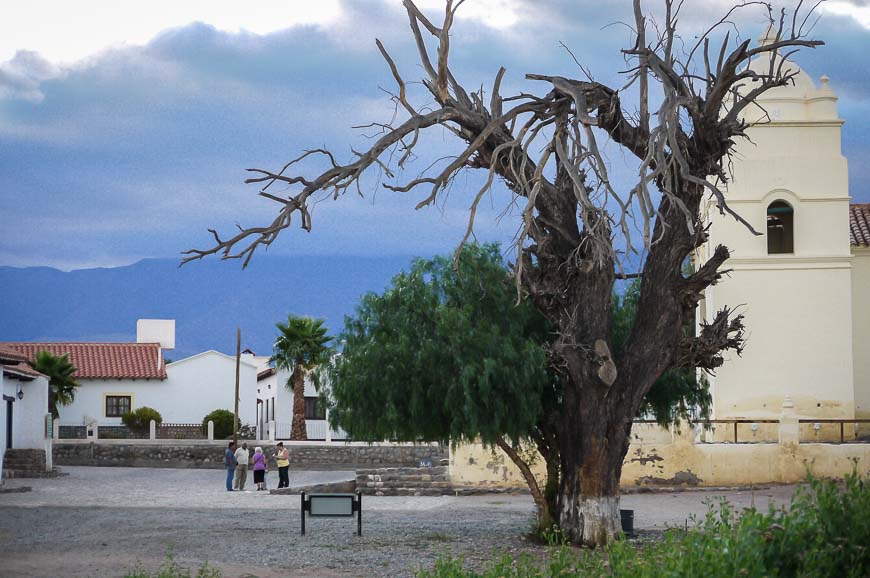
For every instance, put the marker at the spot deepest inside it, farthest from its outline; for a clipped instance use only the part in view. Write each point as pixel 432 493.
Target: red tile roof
pixel 20 369
pixel 13 355
pixel 102 360
pixel 859 225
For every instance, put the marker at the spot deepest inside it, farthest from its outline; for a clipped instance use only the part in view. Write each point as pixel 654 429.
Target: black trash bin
pixel 627 517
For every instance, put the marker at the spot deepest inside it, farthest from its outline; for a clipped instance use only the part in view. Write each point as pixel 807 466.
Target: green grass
pixel 170 568
pixel 824 531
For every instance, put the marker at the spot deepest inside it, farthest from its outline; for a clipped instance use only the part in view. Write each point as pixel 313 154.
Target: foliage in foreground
pixel 170 568
pixel 825 531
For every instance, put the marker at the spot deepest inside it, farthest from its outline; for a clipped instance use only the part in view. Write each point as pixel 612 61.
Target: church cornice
pixel 790 262
pixel 833 123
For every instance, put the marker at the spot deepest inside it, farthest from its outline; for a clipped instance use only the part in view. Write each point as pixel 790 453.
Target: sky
pixel 126 127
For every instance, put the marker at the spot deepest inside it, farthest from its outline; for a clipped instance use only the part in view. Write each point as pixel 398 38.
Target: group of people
pixel 237 461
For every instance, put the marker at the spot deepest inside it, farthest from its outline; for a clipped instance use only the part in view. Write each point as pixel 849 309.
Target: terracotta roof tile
pixel 102 360
pixel 20 369
pixel 859 225
pixel 7 354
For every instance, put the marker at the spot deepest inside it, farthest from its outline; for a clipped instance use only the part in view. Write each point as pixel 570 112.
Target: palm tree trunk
pixel 298 430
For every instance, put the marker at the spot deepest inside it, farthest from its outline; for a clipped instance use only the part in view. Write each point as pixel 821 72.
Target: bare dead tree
pixel 576 225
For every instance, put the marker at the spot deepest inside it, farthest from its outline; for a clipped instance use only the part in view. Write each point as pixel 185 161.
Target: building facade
pixel 23 407
pixel 115 378
pixel 803 282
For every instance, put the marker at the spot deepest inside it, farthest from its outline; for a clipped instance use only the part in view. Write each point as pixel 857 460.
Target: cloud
pixel 135 151
pixel 66 32
pixel 859 10
pixel 21 77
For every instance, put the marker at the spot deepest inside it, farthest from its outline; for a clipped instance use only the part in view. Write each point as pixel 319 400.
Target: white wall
pixel 28 424
pixel 194 387
pixel 28 413
pixel 861 329
pixel 797 307
pixel 2 423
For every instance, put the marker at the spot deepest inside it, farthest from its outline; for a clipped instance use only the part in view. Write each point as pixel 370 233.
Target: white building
pixel 275 407
pixel 118 377
pixel 23 407
pixel 803 285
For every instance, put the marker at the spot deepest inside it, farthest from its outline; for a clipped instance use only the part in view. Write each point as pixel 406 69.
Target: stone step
pixel 402 480
pixel 437 470
pixel 9 474
pixel 403 483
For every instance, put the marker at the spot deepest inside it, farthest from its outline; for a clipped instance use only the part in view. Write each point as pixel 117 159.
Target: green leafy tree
pixel 62 384
pixel 447 354
pixel 303 348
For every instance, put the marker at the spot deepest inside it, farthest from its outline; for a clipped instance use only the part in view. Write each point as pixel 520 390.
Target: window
pixel 314 409
pixel 117 405
pixel 780 228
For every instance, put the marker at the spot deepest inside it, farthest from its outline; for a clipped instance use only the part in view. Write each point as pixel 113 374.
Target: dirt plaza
pixel 101 521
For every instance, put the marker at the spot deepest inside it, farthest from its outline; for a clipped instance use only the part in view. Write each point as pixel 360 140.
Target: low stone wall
pixel 190 454
pixel 180 431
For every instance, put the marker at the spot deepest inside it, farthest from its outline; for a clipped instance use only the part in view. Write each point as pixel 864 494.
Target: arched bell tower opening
pixel 780 228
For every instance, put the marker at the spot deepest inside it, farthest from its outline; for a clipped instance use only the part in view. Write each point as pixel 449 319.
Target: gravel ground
pixel 100 521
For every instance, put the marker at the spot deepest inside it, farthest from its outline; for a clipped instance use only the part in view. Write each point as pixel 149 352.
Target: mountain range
pixel 208 299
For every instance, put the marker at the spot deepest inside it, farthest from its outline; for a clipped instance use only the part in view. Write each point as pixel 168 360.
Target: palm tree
pixel 302 347
pixel 61 384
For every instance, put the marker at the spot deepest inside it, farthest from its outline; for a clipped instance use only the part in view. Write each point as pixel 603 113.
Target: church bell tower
pixel 792 282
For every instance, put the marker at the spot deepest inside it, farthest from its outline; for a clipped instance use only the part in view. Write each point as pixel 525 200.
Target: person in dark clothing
pixel 230 462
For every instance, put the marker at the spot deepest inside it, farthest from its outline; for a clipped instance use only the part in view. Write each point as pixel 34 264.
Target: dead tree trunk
pixel 576 227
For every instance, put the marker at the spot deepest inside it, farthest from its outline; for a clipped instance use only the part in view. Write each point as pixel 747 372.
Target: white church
pixel 803 285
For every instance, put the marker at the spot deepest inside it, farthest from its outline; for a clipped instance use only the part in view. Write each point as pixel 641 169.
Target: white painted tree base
pixel 591 521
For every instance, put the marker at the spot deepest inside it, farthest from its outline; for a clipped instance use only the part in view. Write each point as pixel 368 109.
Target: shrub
pixel 223 423
pixel 247 432
pixel 140 419
pixel 825 531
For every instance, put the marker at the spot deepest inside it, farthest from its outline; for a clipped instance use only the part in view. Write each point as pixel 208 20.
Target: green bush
pixel 140 418
pixel 223 423
pixel 824 531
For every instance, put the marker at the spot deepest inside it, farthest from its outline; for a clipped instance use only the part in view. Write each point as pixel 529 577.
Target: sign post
pixel 332 506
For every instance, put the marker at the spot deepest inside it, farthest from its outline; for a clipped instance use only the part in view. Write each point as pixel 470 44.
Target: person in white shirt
pixel 241 468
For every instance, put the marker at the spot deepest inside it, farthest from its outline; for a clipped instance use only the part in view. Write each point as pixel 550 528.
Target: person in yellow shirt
pixel 283 459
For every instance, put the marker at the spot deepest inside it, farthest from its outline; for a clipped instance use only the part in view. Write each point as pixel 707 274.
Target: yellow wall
pixel 676 460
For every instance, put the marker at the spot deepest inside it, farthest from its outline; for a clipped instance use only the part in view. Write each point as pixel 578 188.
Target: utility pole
pixel 238 362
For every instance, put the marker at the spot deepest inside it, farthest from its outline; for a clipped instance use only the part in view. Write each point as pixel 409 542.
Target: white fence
pixel 316 429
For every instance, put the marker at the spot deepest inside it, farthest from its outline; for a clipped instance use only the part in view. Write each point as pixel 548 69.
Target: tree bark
pixel 591 460
pixel 544 513
pixel 298 431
